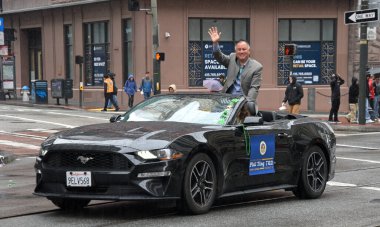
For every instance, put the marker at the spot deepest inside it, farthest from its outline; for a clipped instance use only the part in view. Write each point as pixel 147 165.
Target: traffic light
pixel 160 56
pixel 290 49
pixel 133 5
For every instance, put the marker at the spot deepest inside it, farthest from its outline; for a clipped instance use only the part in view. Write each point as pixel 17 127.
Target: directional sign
pixel 361 16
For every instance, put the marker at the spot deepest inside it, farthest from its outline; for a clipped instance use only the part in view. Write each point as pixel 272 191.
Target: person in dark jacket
pixel 335 83
pixel 353 99
pixel 293 95
pixel 130 89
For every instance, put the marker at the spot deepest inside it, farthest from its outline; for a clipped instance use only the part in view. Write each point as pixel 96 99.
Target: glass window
pixel 328 30
pixel 224 26
pixel 194 29
pixel 96 53
pixel 241 29
pixel 69 62
pixel 283 30
pixel 128 54
pixel 305 30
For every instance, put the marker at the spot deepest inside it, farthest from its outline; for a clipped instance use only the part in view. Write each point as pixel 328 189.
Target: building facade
pixel 49 34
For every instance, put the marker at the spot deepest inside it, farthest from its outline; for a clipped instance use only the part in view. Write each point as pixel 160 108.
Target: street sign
pixel 361 16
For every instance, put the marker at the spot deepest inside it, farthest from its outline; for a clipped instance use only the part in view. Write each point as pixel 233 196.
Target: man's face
pixel 290 79
pixel 242 51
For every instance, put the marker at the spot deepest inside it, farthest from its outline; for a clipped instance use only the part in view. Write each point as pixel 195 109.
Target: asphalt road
pixel 352 198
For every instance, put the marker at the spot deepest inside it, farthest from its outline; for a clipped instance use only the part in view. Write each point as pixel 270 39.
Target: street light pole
pixel 363 67
pixel 156 63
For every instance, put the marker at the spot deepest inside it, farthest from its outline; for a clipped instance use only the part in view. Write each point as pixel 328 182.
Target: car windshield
pixel 199 109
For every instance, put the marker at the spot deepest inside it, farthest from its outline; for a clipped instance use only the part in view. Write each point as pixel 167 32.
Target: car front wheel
pixel 70 204
pixel 313 179
pixel 199 185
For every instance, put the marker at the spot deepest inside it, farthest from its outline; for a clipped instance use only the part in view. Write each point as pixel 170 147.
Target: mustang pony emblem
pixel 83 159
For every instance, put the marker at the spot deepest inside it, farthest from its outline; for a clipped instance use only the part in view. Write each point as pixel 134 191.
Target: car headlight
pixel 43 151
pixel 162 154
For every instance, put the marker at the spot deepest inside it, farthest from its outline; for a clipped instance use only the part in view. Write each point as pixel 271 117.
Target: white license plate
pixel 78 178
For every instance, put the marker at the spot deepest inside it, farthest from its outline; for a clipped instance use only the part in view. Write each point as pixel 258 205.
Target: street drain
pixel 375 201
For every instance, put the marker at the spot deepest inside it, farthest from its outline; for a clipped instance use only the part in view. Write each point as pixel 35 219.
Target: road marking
pixel 371 188
pixel 357 134
pixel 23 135
pixel 360 160
pixel 46 122
pixel 360 147
pixel 42 130
pixel 16 144
pixel 75 115
pixel 340 184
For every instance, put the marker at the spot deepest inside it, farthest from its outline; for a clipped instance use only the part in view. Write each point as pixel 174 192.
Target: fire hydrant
pixel 25 93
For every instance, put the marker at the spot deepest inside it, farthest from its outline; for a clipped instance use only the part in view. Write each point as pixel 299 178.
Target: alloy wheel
pixel 202 182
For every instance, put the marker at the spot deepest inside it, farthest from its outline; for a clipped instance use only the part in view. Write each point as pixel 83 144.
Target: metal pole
pixel 80 86
pixel 363 67
pixel 156 64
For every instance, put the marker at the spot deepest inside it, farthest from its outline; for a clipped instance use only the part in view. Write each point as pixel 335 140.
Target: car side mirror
pixel 115 118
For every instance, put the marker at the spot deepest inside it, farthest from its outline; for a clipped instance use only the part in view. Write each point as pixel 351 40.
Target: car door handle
pixel 283 135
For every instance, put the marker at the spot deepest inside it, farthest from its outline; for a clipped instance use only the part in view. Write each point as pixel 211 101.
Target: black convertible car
pixel 193 148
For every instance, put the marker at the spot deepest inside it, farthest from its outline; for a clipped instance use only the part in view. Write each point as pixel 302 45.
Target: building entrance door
pixel 35 54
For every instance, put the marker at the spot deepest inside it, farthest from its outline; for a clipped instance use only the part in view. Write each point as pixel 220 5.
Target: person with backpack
pixel 108 92
pixel 146 86
pixel 114 94
pixel 130 89
pixel 376 84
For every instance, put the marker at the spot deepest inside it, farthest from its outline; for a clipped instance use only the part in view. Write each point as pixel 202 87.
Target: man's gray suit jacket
pixel 250 79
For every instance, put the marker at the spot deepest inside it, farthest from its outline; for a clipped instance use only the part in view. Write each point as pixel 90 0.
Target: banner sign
pixel 307 62
pixel 99 64
pixel 212 69
pixel 262 154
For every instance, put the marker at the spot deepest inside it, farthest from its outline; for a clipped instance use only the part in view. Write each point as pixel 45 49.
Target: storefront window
pixel 96 53
pixel 202 64
pixel 314 61
pixel 128 54
pixel 69 62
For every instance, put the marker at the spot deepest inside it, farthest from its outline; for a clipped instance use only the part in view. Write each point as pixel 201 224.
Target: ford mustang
pixel 192 148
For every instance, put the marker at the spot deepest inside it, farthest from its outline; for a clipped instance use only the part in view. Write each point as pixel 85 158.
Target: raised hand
pixel 214 34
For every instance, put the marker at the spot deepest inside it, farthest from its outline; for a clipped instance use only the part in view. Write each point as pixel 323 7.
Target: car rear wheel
pixel 199 185
pixel 70 204
pixel 313 179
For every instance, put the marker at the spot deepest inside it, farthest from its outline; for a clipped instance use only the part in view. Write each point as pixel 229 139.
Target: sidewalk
pixel 344 126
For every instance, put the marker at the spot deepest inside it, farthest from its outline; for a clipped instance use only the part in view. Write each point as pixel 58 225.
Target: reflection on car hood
pixel 135 135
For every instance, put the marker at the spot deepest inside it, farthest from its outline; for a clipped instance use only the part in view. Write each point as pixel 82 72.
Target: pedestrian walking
pixel 293 95
pixel 353 99
pixel 130 89
pixel 377 97
pixel 335 83
pixel 146 86
pixel 114 94
pixel 243 73
pixel 108 92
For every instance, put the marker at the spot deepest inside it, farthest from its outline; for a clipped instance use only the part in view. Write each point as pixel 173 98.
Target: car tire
pixel 314 173
pixel 70 204
pixel 199 186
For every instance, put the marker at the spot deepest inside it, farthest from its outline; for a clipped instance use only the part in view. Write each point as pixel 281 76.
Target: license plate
pixel 78 178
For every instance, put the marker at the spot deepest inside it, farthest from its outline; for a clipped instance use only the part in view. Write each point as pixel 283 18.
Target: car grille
pixel 91 160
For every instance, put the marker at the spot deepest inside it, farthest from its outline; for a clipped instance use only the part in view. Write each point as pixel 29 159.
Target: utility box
pixel 40 92
pixel 68 89
pixel 57 88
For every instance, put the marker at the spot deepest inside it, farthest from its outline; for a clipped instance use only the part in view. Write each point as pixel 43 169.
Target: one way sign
pixel 361 16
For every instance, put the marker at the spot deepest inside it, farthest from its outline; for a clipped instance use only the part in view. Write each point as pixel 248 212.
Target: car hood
pixel 132 135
